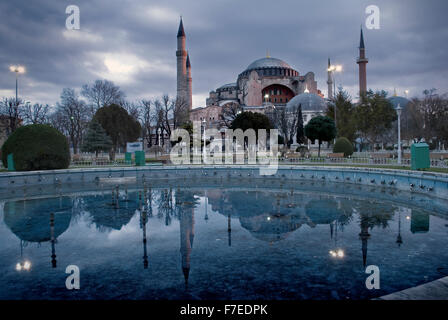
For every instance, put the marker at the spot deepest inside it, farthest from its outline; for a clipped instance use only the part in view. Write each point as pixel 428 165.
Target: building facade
pixel 264 80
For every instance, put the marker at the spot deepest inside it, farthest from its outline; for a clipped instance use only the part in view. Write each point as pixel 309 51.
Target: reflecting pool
pixel 217 242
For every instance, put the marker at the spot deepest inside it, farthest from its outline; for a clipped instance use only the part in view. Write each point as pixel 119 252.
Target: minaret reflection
pixel 229 229
pixel 186 204
pixel 364 236
pixel 399 240
pixel 53 241
pixel 143 221
pixel 206 207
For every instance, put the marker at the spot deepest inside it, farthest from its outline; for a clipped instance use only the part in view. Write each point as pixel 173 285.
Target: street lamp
pixel 399 132
pixel 333 69
pixel 204 122
pixel 266 98
pixel 18 70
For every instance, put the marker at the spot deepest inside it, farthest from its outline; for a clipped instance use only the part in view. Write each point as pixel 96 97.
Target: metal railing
pixel 435 163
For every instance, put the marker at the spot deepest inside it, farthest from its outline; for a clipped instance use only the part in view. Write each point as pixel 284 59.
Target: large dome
pixel 309 102
pixel 268 63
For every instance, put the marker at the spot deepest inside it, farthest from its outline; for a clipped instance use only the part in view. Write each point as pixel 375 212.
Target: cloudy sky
pixel 133 43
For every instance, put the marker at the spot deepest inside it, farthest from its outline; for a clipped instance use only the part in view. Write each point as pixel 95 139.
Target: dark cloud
pixel 133 43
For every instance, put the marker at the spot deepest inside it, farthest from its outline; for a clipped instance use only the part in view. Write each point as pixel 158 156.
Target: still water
pixel 216 243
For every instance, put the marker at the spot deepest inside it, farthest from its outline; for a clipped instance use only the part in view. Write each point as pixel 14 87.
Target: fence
pixel 435 163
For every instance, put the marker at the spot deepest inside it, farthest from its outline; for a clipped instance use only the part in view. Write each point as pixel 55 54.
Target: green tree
pixel 119 126
pixel 343 145
pixel 96 139
pixel 320 128
pixel 37 147
pixel 251 120
pixel 374 116
pixel 300 135
pixel 345 115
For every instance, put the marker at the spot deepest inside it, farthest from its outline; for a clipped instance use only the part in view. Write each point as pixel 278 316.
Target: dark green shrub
pixel 281 140
pixel 37 147
pixel 342 145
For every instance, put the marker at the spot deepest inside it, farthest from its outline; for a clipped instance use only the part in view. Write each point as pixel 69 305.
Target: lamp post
pixel 399 132
pixel 333 69
pixel 266 98
pixel 204 122
pixel 18 70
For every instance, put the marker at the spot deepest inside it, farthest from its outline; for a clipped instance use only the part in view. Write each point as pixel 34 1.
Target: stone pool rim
pixel 430 183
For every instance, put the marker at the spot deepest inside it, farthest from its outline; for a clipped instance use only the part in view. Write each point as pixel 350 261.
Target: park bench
pixel 164 159
pixel 380 158
pixel 438 156
pixel 292 156
pixel 335 157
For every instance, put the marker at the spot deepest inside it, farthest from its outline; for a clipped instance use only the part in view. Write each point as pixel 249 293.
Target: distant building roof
pixel 309 102
pixel 228 85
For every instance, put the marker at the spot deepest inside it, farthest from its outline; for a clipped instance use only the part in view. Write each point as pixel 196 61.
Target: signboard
pixel 134 146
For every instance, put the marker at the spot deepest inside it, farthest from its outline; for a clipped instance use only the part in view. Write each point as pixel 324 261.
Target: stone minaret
pixel 189 84
pixel 362 62
pixel 181 54
pixel 330 81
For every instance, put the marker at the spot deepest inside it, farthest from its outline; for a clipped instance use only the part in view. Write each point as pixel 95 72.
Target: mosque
pixel 266 83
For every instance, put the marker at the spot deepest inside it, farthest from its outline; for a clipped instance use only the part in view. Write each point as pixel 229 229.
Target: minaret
pixel 362 62
pixel 189 84
pixel 330 81
pixel 181 54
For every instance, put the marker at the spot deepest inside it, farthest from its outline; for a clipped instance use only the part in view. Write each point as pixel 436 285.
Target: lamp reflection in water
pixel 337 252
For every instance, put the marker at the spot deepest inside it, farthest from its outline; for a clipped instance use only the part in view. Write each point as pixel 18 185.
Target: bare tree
pixel 427 117
pixel 181 113
pixel 167 114
pixel 10 109
pixel 74 114
pixel 146 117
pixel 35 113
pixel 132 108
pixel 102 93
pixel 229 113
pixel 286 121
pixel 159 119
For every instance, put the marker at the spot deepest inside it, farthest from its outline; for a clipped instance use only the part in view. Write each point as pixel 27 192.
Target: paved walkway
pixel 435 290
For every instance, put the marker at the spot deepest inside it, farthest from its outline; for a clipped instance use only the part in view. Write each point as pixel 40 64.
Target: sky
pixel 133 44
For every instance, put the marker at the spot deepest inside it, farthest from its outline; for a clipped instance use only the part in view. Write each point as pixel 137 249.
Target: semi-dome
pixel 395 100
pixel 309 102
pixel 268 63
pixel 227 86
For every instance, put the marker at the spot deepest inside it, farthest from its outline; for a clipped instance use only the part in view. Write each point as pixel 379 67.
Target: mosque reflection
pixel 38 221
pixel 268 216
